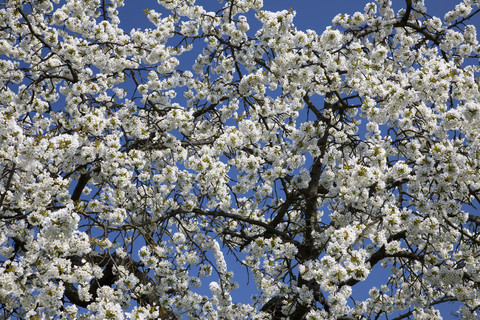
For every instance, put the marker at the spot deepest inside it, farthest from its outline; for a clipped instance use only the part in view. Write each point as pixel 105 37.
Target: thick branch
pixel 7 185
pixel 207 109
pixel 217 213
pixel 381 254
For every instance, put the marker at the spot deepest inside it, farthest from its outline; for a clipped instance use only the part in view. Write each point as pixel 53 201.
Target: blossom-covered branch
pixel 135 185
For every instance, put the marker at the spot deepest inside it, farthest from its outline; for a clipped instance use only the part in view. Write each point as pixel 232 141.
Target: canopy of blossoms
pixel 139 168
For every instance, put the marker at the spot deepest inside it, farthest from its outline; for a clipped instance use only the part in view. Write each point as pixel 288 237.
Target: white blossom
pixel 161 172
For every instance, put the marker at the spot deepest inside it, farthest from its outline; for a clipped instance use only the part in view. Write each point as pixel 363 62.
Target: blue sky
pixel 310 14
pixel 317 14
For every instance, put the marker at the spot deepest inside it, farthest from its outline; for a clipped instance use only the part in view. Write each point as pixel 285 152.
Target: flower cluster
pixel 134 184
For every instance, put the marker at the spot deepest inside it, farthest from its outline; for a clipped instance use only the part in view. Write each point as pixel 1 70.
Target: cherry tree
pixel 135 178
